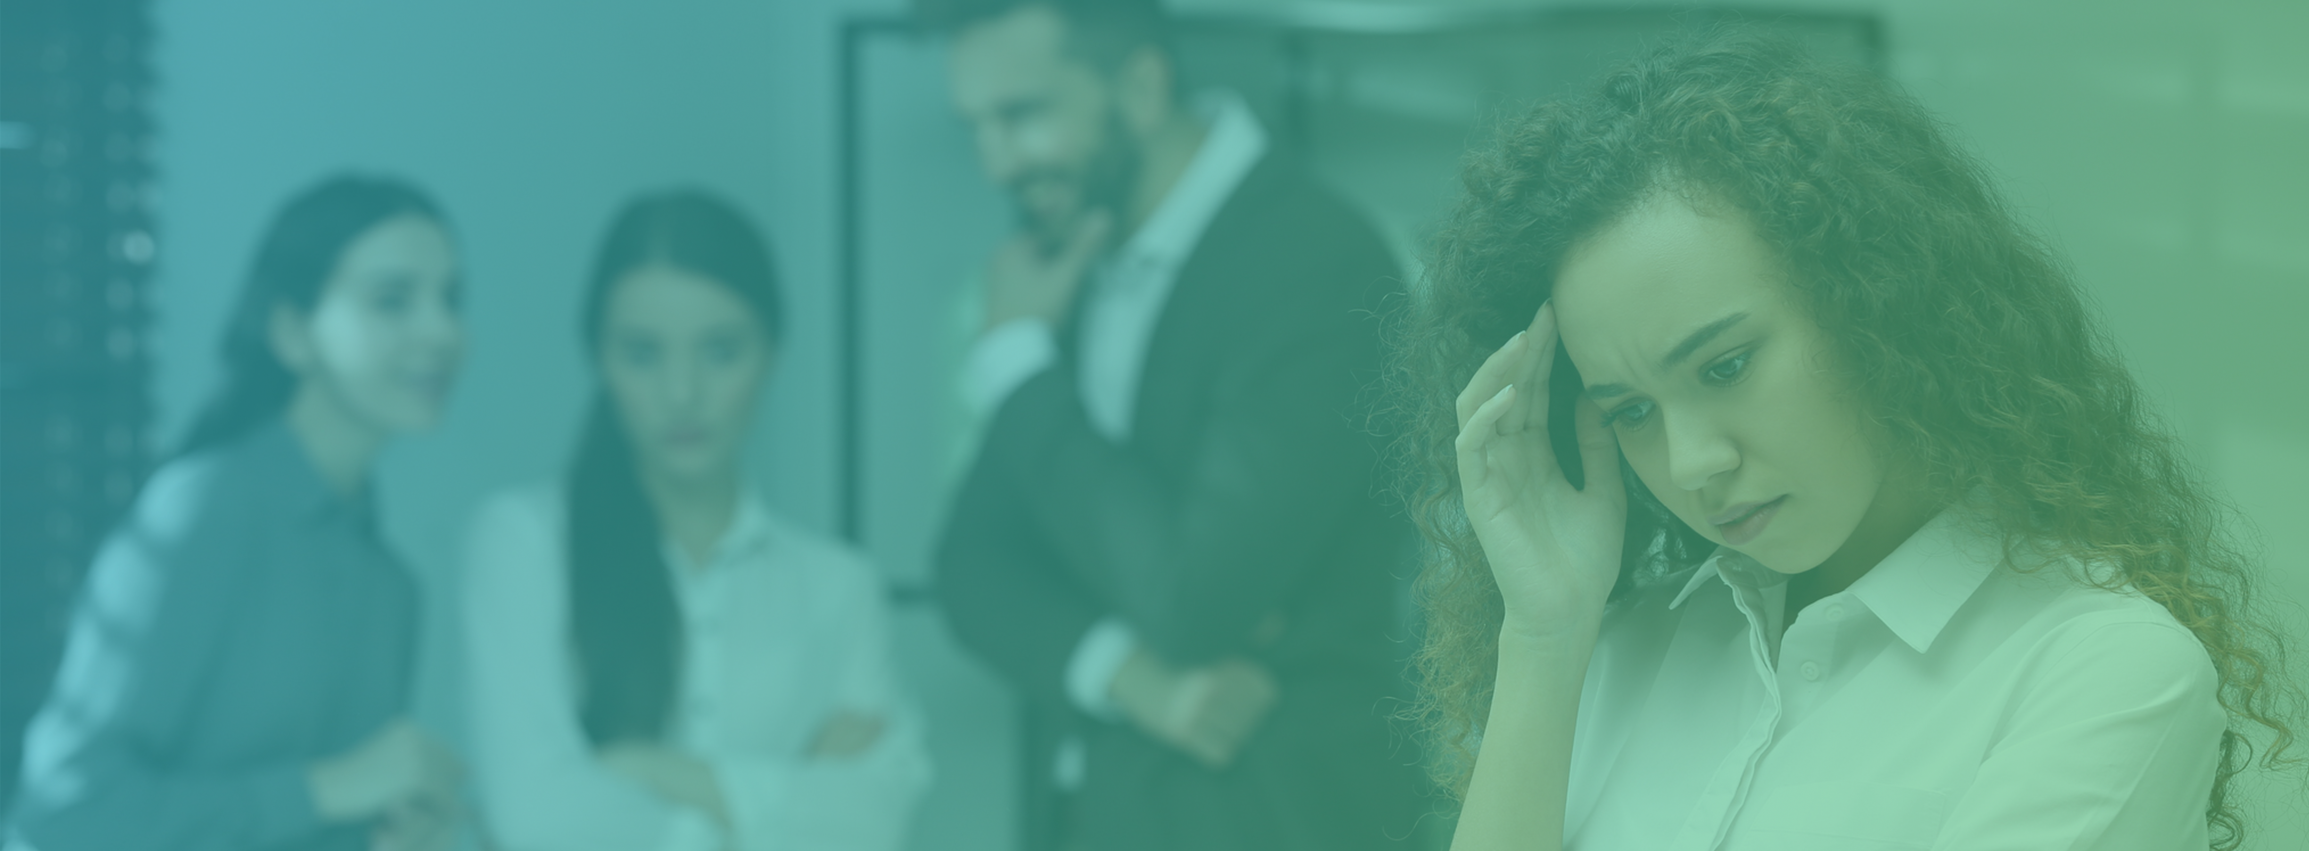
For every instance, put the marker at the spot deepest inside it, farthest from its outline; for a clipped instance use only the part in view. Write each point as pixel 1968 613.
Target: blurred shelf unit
pixel 76 251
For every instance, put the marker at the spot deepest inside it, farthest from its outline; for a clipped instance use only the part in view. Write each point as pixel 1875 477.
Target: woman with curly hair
pixel 1780 492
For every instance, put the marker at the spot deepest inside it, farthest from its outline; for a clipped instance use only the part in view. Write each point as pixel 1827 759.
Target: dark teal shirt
pixel 243 623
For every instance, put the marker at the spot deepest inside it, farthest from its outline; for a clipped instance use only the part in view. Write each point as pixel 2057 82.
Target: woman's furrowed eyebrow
pixel 1699 338
pixel 1600 392
pixel 1692 343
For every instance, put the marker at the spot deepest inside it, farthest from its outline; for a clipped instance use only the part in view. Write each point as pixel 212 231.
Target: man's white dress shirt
pixel 781 630
pixel 1124 299
pixel 1940 702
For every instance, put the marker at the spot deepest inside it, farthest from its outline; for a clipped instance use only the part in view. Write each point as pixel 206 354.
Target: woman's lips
pixel 686 437
pixel 1742 523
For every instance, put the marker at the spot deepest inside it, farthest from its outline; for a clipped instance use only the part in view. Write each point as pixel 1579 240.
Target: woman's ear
pixel 292 339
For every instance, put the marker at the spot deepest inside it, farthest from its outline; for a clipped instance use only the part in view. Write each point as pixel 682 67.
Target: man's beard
pixel 1106 181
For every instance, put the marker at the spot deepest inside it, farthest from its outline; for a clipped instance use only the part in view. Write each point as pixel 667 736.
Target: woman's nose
pixel 442 327
pixel 1698 452
pixel 683 381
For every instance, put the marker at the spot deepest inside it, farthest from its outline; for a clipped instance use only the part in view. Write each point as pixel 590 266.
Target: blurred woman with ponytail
pixel 239 667
pixel 657 661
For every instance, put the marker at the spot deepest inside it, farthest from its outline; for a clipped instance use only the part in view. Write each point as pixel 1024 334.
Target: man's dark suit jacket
pixel 1241 518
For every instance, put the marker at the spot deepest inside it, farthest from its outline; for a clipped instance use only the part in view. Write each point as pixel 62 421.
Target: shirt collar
pixel 1700 577
pixel 1233 144
pixel 751 529
pixel 1734 568
pixel 1918 588
pixel 1915 591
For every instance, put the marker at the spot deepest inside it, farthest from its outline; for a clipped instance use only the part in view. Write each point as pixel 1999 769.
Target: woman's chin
pixel 1780 557
pixel 397 418
pixel 689 464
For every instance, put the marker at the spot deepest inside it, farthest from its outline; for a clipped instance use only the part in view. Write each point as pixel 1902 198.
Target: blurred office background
pixel 144 143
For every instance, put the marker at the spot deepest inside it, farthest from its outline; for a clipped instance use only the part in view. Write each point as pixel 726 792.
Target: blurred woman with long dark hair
pixel 657 661
pixel 240 661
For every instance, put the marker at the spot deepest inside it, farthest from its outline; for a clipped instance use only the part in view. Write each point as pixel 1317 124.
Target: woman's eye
pixel 1631 415
pixel 1729 369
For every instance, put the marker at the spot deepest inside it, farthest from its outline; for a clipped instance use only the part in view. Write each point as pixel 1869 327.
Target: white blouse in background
pixel 1939 703
pixel 782 631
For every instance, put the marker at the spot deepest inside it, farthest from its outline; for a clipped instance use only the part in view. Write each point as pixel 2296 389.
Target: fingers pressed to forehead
pixel 1539 366
pixel 1591 425
pixel 1497 371
pixel 1598 447
pixel 1485 420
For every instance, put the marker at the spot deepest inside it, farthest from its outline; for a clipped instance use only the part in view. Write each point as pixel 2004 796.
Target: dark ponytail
pixel 625 623
pixel 299 253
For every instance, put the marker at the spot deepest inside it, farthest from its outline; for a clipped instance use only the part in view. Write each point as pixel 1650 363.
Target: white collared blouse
pixel 781 630
pixel 1940 702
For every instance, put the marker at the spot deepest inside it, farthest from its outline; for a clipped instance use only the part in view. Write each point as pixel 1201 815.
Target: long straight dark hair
pixel 293 264
pixel 624 620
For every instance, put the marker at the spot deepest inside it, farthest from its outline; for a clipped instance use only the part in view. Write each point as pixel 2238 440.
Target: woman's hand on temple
pixel 1554 549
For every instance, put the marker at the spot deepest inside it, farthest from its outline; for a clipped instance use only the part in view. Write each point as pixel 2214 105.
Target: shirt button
pixel 1811 670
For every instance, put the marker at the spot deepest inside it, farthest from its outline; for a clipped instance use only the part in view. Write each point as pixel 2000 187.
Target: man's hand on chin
pixel 1026 281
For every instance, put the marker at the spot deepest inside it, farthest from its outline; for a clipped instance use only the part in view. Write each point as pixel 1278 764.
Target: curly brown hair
pixel 1960 333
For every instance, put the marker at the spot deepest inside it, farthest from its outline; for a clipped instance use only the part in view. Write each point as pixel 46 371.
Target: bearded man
pixel 1170 542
